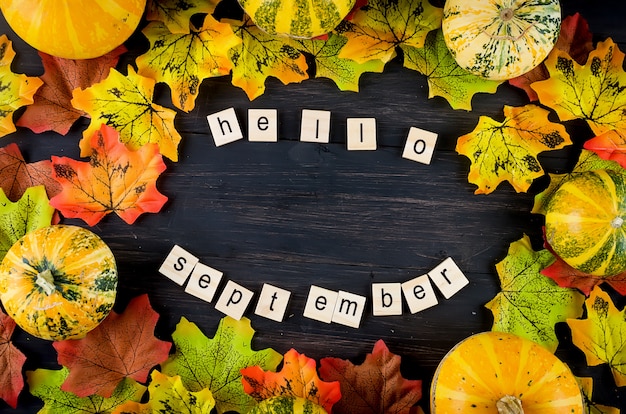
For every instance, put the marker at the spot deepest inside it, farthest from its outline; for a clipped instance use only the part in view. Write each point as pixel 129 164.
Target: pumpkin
pixel 287 404
pixel 585 222
pixel 496 372
pixel 73 29
pixel 297 18
pixel 500 39
pixel 59 282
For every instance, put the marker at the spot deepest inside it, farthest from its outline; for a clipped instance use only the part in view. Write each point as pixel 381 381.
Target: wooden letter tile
pixel 349 309
pixel 224 127
pixel 262 125
pixel 234 300
pixel 419 294
pixel 320 305
pixel 386 299
pixel 448 278
pixel 204 282
pixel 272 302
pixel 420 145
pixel 178 265
pixel 315 126
pixel 361 133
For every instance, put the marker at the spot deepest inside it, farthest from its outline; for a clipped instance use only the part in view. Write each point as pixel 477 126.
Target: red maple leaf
pixel 52 109
pixel 575 39
pixel 16 175
pixel 11 362
pixel 375 386
pixel 123 345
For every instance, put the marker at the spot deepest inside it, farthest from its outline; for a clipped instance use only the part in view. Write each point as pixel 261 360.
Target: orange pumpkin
pixel 495 372
pixel 73 29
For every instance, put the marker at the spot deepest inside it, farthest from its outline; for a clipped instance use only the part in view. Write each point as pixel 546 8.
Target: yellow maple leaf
pixel 176 14
pixel 16 90
pixel 184 60
pixel 508 150
pixel 125 103
pixel 595 92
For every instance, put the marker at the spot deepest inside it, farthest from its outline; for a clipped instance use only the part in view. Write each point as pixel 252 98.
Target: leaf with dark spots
pixel 176 14
pixel 11 362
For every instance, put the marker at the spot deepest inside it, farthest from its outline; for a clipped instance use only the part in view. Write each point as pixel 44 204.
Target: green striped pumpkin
pixel 500 39
pixel 585 222
pixel 58 282
pixel 284 404
pixel 297 18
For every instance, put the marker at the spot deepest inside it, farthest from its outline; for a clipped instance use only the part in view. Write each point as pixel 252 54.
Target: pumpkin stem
pixel 509 405
pixel 617 222
pixel 507 14
pixel 45 280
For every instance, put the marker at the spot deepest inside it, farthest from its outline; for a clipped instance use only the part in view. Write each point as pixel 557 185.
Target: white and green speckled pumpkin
pixel 500 39
pixel 58 282
pixel 297 18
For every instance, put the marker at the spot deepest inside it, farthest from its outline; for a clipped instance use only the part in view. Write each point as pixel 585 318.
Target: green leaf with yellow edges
pixel 176 14
pixel 507 151
pixel 445 77
pixel 530 304
pixel 595 92
pixel 125 103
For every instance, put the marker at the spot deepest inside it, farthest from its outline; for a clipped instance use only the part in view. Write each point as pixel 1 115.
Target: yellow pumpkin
pixel 73 29
pixel 58 282
pixel 495 372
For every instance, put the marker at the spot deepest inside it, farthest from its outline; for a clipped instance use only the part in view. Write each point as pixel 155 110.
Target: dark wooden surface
pixel 295 214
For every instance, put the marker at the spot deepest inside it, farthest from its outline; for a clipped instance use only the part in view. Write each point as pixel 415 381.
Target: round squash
pixel 297 18
pixel 585 222
pixel 500 39
pixel 73 29
pixel 59 282
pixel 495 372
pixel 287 404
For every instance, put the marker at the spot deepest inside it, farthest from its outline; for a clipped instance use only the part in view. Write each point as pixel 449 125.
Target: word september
pixel 323 305
pixel 315 127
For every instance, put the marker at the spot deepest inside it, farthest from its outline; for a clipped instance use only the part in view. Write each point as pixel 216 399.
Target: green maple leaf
pixel 46 385
pixel 177 13
pixel 445 77
pixel 530 304
pixel 32 211
pixel 260 55
pixel 216 363
pixel 184 60
pixel 379 27
pixel 344 72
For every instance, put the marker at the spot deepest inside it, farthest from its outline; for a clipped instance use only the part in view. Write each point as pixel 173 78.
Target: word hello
pixel 323 305
pixel 315 127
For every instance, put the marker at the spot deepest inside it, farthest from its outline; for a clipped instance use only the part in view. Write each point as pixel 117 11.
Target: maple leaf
pixel 31 212
pixel 574 39
pixel 125 103
pixel 602 334
pixel 216 363
pixel 586 387
pixel 376 386
pixel 16 90
pixel 45 384
pixel 52 109
pixel 169 395
pixel 610 145
pixel 11 363
pixel 176 14
pixel 344 72
pixel 508 150
pixel 379 27
pixel 122 346
pixel 445 77
pixel 260 55
pixel 298 378
pixel 115 179
pixel 530 304
pixel 184 60
pixel 16 175
pixel 593 92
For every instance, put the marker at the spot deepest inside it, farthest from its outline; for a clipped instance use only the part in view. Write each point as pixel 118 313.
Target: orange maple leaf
pixel 115 179
pixel 11 362
pixel 16 175
pixel 123 345
pixel 298 377
pixel 610 145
